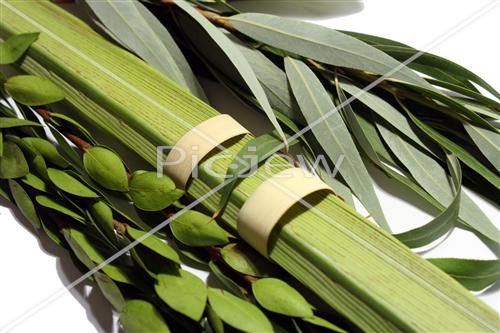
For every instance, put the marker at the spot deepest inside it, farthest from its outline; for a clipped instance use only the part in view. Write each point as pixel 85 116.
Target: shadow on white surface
pixel 97 308
pixel 491 290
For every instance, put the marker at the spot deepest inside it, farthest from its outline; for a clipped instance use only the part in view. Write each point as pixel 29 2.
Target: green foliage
pixel 67 183
pixel 196 229
pixel 24 202
pixel 33 90
pixel 245 260
pixel 13 48
pixel 401 127
pixel 153 192
pixel 237 313
pixel 139 316
pixel 106 168
pixel 153 243
pixel 13 164
pixel 277 296
pixel 183 292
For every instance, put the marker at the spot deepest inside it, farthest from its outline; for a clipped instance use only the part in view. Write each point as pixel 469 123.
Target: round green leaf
pixel 238 313
pixel 35 182
pixel 69 184
pixel 38 166
pixel 12 163
pixel 117 273
pixel 215 322
pixel 91 255
pixel 278 296
pixel 9 122
pixel 106 168
pixel 4 194
pixel 51 203
pixel 14 47
pixel 103 217
pixel 33 90
pixel 73 238
pixel 196 229
pixel 24 203
pixel 110 290
pixel 140 316
pixel 85 244
pixel 245 260
pixel 154 243
pixel 228 283
pixel 47 150
pixel 184 293
pixel 35 160
pixel 153 192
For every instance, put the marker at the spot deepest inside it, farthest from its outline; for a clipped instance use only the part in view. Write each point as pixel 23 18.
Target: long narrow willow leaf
pixel 438 226
pixel 237 59
pixel 460 152
pixel 386 111
pixel 363 124
pixel 479 108
pixel 142 33
pixel 332 133
pixel 473 274
pixel 401 52
pixel 487 141
pixel 336 295
pixel 369 142
pixel 457 110
pixel 322 44
pixel 442 223
pixel 433 178
pixel 272 78
pixel 367 135
pixel 352 265
pixel 466 92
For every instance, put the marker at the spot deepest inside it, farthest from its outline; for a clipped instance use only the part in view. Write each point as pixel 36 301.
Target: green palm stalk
pixel 356 268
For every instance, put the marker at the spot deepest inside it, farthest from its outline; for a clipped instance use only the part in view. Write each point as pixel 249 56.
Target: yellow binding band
pixel 193 146
pixel 271 200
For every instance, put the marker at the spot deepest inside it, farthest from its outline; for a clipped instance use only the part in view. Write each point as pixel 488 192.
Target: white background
pixel 33 268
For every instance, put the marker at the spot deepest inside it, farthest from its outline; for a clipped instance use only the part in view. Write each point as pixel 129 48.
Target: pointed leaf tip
pixel 238 313
pixel 106 168
pixel 33 90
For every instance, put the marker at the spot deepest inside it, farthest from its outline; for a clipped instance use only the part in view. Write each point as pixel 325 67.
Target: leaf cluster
pixel 81 195
pixel 348 97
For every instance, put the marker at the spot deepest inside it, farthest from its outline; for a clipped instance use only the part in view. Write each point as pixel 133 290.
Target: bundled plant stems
pixel 359 270
pixel 55 189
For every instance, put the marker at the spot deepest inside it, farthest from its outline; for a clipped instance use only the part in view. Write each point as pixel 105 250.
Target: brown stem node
pixel 45 114
pixel 217 20
pixel 79 142
pixel 120 228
